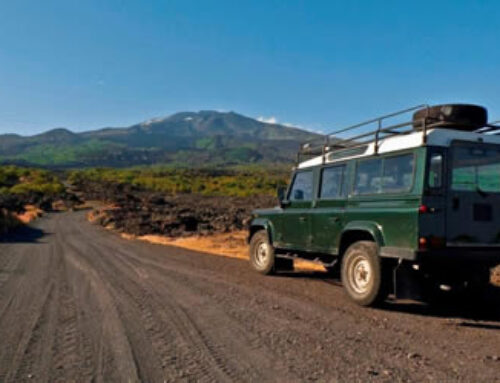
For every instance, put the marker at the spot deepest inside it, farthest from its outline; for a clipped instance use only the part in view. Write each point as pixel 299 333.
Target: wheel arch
pixel 360 231
pixel 261 224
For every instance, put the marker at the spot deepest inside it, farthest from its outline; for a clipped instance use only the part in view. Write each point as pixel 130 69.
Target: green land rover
pixel 407 208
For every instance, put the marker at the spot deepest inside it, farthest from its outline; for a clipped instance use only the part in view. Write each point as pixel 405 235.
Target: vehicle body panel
pixel 328 214
pixel 473 216
pixel 393 220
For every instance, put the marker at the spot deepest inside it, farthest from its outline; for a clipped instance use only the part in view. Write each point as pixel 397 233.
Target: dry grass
pixel 92 216
pixel 59 206
pixel 9 220
pixel 95 214
pixel 231 245
pixel 30 213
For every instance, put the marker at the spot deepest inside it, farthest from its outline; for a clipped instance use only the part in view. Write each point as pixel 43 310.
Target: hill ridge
pixel 202 137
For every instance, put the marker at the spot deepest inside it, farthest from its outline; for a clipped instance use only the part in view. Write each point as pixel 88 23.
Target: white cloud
pixel 268 120
pixel 273 120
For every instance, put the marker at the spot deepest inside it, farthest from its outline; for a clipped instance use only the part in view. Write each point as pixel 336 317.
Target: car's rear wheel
pixel 262 258
pixel 363 275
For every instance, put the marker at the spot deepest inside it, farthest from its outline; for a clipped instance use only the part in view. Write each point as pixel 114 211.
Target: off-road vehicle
pixel 392 206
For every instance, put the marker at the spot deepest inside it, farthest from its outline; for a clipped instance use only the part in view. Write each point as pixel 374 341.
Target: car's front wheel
pixel 262 257
pixel 363 275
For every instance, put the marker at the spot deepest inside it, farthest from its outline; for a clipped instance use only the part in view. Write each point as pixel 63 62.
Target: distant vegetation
pixel 18 180
pixel 235 181
pixel 61 155
pixel 231 181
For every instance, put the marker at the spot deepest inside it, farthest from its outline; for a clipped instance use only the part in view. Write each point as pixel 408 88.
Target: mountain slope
pixel 205 137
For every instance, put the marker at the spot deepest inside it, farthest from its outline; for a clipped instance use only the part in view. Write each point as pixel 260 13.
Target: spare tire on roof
pixel 452 116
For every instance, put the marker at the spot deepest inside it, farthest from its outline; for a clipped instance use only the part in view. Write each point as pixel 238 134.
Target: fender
pixel 264 223
pixel 373 228
pixel 376 231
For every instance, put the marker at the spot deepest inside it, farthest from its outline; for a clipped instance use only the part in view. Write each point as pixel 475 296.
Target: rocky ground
pixel 140 212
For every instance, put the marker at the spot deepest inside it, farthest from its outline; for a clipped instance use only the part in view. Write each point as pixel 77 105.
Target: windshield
pixel 476 167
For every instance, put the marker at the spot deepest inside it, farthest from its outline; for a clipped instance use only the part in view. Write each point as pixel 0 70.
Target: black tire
pixel 454 116
pixel 363 276
pixel 260 262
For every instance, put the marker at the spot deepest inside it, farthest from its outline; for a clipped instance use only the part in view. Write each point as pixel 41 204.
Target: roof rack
pixel 358 135
pixel 492 128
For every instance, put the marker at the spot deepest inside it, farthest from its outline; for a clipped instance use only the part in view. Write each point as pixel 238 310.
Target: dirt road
pixel 78 303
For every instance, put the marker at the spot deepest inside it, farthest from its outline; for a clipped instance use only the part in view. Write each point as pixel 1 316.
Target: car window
pixel 398 173
pixel 368 177
pixel 476 167
pixel 435 175
pixel 302 188
pixel 331 182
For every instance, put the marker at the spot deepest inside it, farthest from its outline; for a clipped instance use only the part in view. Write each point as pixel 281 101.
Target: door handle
pixel 334 219
pixel 302 219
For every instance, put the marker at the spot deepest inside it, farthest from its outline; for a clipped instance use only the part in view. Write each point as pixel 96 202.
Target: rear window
pixel 435 177
pixel 398 174
pixel 368 177
pixel 385 175
pixel 476 167
pixel 302 187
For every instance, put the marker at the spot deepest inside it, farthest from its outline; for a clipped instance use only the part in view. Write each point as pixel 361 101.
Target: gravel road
pixel 78 303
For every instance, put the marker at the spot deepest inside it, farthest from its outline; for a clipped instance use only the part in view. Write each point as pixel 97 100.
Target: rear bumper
pixel 488 256
pixel 457 255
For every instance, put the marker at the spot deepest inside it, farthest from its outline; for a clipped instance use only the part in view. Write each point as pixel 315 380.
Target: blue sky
pixel 317 64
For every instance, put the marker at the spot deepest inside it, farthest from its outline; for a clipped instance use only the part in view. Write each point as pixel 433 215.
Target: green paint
pixel 319 225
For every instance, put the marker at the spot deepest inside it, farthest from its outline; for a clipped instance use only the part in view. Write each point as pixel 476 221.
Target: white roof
pixel 435 137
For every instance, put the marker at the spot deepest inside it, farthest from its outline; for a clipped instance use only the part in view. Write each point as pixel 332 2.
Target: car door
pixel 473 207
pixel 328 212
pixel 295 225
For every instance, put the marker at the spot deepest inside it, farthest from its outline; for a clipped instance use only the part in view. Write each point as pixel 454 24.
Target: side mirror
pixel 281 192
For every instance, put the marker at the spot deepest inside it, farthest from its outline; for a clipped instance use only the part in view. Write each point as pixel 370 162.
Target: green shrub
pixel 18 180
pixel 239 181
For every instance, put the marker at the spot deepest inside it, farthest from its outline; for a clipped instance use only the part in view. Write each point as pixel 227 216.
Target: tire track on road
pixel 166 291
pixel 177 348
pixel 72 354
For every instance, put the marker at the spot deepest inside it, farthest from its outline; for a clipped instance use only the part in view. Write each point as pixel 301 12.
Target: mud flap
pixel 407 281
